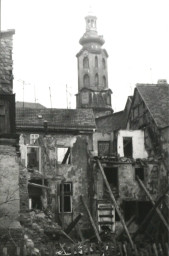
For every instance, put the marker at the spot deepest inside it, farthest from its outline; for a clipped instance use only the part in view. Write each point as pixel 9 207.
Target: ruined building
pixel 9 161
pixel 115 163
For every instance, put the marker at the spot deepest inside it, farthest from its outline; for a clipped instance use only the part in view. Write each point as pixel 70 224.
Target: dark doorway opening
pixel 112 178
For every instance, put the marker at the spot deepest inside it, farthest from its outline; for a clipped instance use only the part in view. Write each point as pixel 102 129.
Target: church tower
pixel 93 91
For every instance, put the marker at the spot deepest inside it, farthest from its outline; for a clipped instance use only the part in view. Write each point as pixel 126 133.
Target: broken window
pixel 103 148
pixel 65 198
pixel 33 158
pixel 63 155
pixel 140 173
pixel 127 146
pixel 33 138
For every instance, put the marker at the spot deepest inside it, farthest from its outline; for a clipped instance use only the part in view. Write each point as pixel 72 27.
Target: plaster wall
pixel 137 143
pixel 76 172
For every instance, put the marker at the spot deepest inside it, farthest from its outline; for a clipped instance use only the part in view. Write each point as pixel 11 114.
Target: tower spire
pixel 93 91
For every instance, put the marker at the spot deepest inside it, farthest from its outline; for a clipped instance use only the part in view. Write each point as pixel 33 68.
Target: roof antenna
pixel 151 75
pixel 50 97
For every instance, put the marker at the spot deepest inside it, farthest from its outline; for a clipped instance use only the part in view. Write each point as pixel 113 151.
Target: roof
pixel 110 122
pixel 20 104
pixel 156 98
pixel 58 119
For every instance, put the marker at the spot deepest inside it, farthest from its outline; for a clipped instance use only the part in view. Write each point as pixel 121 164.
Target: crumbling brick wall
pixel 6 64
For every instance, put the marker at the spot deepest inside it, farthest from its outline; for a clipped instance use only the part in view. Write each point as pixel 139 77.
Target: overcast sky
pixel 46 42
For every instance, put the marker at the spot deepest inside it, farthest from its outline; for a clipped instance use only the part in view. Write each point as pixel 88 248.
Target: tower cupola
pixel 93 91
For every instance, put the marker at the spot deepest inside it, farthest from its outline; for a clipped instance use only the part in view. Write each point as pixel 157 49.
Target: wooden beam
pixel 115 204
pixel 91 220
pixel 62 203
pixel 73 223
pixel 38 185
pixel 68 237
pixel 150 213
pixel 128 223
pixel 153 203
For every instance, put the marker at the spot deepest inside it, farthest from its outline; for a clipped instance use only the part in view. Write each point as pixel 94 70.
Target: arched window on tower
pixel 104 81
pixel 96 62
pixel 96 80
pixel 104 63
pixel 86 80
pixel 85 62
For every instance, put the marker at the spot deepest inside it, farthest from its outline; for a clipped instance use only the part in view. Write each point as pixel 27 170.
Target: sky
pixel 46 42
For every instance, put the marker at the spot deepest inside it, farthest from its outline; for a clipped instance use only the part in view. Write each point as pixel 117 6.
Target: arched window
pixel 104 63
pixel 96 62
pixel 86 62
pixel 92 23
pixel 86 80
pixel 104 81
pixel 96 79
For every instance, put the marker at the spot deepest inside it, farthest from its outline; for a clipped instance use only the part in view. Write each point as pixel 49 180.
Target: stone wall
pixel 77 172
pixel 6 64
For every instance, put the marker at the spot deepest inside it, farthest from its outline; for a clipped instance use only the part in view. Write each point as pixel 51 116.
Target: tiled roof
pixel 111 122
pixel 20 104
pixel 156 98
pixel 67 119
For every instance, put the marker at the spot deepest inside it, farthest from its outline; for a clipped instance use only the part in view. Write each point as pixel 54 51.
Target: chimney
pixel 162 81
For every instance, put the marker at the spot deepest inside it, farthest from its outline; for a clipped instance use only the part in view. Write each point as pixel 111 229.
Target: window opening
pixel 67 194
pixel 140 173
pixel 96 62
pixel 33 138
pixel 96 79
pixel 103 148
pixel 33 158
pixel 127 146
pixel 104 63
pixel 85 62
pixel 63 155
pixel 86 80
pixel 104 81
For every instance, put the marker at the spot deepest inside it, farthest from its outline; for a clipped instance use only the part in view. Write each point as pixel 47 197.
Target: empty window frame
pixel 127 146
pixel 63 155
pixel 103 148
pixel 140 173
pixel 65 198
pixel 33 138
pixel 33 158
